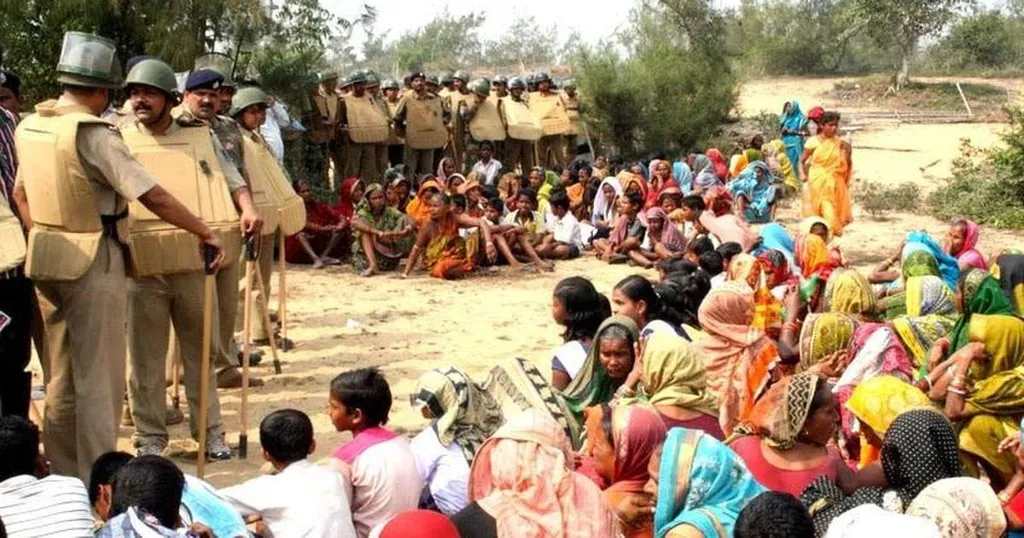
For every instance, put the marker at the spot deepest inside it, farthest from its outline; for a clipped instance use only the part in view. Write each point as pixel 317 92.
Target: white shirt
pixel 55 507
pixel 443 469
pixel 718 280
pixel 271 129
pixel 488 172
pixel 571 356
pixel 566 229
pixel 303 500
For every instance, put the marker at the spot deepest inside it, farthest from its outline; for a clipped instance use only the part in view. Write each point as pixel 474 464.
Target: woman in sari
pixel 781 166
pixel 603 213
pixel 350 193
pixel 444 251
pixel 633 183
pixel 874 404
pixel 824 335
pixel 661 177
pixel 445 169
pixel 919 449
pixel 1009 270
pixel 737 164
pixel 320 241
pixel 847 291
pixel 706 175
pixel 718 200
pixel 419 208
pixel 918 276
pixel 977 293
pixel 755 193
pixel 775 237
pixel 721 166
pixel 740 359
pixel 961 508
pixel 793 126
pixel 683 176
pixel 621 441
pixel 961 243
pixel 826 167
pixel 398 193
pixel 813 251
pixel 508 500
pixel 383 234
pixel 785 446
pixel 701 486
pixel 519 385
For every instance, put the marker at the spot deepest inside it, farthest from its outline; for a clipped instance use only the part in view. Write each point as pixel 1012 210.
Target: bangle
pixel 625 392
pixel 956 390
pixel 790 326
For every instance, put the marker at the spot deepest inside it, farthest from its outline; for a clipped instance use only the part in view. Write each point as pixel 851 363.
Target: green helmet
pixel 501 79
pixel 541 77
pixel 372 79
pixel 247 97
pixel 390 84
pixel 446 78
pixel 461 75
pixel 219 62
pixel 432 80
pixel 480 87
pixel 88 60
pixel 155 74
pixel 356 77
pixel 569 84
pixel 327 76
pixel 516 82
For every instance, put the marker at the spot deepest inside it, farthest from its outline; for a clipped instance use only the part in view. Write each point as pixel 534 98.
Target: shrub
pixel 878 199
pixel 987 185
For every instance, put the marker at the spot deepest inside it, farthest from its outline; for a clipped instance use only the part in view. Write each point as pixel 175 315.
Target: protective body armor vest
pixel 486 123
pixel 288 210
pixel 550 112
pixel 366 123
pixel 184 162
pixel 522 125
pixel 424 120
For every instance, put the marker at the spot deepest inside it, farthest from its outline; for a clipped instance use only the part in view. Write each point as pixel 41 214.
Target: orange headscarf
pixel 418 209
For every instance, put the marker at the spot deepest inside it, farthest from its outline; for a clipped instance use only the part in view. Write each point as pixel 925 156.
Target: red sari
pixel 320 222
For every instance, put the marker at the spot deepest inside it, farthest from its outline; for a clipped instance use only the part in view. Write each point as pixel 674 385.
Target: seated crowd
pixel 752 391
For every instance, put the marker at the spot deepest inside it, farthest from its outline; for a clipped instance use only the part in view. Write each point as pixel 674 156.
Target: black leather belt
pixel 110 223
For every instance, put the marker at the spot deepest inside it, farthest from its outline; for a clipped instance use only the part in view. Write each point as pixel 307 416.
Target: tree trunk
pixel 906 51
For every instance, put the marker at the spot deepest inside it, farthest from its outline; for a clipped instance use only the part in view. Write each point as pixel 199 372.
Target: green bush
pixel 878 199
pixel 987 185
pixel 987 40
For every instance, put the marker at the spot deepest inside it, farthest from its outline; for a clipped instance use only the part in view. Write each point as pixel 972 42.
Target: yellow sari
pixel 877 402
pixel 828 193
pixel 848 291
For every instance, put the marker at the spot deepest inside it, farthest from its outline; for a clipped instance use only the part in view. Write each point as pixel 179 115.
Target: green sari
pixel 390 220
pixel 981 294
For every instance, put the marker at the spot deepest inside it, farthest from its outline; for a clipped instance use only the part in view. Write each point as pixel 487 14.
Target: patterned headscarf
pixel 780 414
pixel 848 291
pixel 962 508
pixel 822 335
pixel 463 412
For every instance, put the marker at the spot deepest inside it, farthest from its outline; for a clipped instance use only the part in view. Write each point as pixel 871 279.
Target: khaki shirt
pixel 114 175
pixel 231 175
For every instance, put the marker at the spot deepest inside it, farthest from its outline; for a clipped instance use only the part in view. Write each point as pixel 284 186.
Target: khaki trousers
pixel 85 340
pixel 155 304
pixel 382 162
pixel 519 152
pixel 551 150
pixel 226 355
pixel 420 161
pixel 361 162
pixel 265 261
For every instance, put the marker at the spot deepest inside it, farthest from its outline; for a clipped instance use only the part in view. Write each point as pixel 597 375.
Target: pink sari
pixel 969 255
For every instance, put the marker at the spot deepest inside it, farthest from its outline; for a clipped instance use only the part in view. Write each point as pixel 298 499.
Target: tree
pixel 987 39
pixel 904 22
pixel 447 42
pixel 525 43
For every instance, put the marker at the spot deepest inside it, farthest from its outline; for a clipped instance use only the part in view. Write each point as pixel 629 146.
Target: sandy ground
pixel 340 321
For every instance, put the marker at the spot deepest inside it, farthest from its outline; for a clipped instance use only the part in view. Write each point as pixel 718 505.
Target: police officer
pixel 75 254
pixel 324 120
pixel 446 84
pixel 432 85
pixel 499 87
pixel 365 127
pixel 373 90
pixel 523 129
pixel 421 117
pixel 572 110
pixel 483 120
pixel 459 95
pixel 396 146
pixel 202 100
pixel 548 108
pixel 168 287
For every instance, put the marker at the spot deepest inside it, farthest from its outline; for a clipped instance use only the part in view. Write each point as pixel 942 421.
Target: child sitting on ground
pixel 513 245
pixel 629 231
pixel 525 218
pixel 377 464
pixel 696 248
pixel 562 240
pixel 301 498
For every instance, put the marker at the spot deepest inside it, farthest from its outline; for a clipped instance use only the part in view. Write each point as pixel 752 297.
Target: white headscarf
pixel 603 206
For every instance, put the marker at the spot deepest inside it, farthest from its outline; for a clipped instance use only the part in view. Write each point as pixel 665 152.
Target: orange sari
pixel 418 209
pixel 828 192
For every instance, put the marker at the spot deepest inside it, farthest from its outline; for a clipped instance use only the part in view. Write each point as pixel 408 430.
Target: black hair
pixel 686 295
pixel 529 193
pixel 153 484
pixel 364 389
pixel 617 332
pixel 488 192
pixel 19 447
pixel 774 514
pixel 487 144
pixel 821 394
pixel 712 263
pixel 729 250
pixel 583 308
pixel 694 202
pixel 445 199
pixel 636 199
pixel 287 435
pixel 104 469
pixel 676 266
pixel 459 201
pixel 638 288
pixel 584 166
pixel 700 246
pixel 559 199
pixel 496 204
pixel 830 116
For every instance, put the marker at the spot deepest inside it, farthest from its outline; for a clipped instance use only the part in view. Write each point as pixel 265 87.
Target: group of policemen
pixel 129 217
pixel 369 124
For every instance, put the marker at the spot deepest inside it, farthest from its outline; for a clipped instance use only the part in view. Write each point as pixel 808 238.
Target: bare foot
pixel 516 266
pixel 368 272
pixel 318 264
pixel 330 261
pixel 549 267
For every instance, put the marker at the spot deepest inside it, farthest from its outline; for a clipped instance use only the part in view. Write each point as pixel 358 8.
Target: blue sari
pixel 755 183
pixel 794 121
pixel 684 177
pixel 701 483
pixel 949 268
pixel 775 237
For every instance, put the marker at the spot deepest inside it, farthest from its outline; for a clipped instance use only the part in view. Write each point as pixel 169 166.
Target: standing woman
pixel 793 124
pixel 826 166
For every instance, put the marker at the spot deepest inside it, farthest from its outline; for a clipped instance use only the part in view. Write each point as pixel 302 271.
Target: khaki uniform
pixel 523 131
pixel 325 126
pixel 549 110
pixel 396 145
pixel 382 148
pixel 422 121
pixel 483 122
pixel 572 110
pixel 79 271
pixel 172 295
pixel 366 129
pixel 457 101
